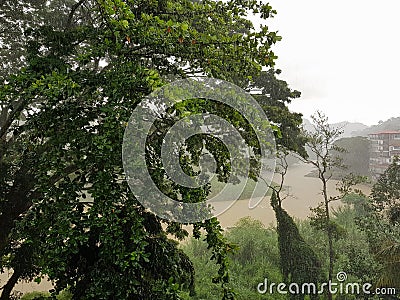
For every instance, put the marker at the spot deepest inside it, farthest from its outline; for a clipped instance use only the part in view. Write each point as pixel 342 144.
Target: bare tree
pixel 325 158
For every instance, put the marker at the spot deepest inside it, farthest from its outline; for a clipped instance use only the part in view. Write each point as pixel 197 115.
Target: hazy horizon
pixel 342 56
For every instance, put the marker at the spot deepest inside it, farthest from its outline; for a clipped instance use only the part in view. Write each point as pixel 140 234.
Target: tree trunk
pixel 331 260
pixel 329 233
pixel 9 286
pixel 17 203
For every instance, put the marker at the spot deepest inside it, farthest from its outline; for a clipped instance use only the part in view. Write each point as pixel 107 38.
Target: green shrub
pixel 256 259
pixel 64 295
pixel 36 296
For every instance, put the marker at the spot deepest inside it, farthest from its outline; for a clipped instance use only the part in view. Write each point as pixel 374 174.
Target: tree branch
pixel 9 119
pixel 8 287
pixel 72 12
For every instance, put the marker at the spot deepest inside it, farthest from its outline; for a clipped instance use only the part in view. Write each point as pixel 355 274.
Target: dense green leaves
pixel 66 210
pixel 386 193
pixel 380 222
pixel 298 261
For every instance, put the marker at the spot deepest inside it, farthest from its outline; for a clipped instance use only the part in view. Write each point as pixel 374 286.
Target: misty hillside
pixel 391 124
pixel 359 129
pixel 350 129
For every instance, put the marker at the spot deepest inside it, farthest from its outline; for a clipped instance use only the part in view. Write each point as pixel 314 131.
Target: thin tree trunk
pixel 331 260
pixel 9 286
pixel 329 233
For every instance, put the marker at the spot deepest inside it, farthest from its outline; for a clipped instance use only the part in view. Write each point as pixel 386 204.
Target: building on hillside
pixel 384 146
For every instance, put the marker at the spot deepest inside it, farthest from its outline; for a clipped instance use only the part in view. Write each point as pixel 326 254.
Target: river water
pixel 303 193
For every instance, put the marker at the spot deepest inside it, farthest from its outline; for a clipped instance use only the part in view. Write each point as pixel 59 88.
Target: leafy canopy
pixel 66 210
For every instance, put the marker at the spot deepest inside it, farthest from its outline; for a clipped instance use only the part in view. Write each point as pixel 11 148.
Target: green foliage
pixel 36 296
pixel 319 221
pixel 386 193
pixel 63 295
pixel 298 261
pixel 256 258
pixel 274 97
pixel 198 252
pixel 358 202
pixel 380 222
pixel 253 239
pixel 354 256
pixel 18 18
pixel 66 210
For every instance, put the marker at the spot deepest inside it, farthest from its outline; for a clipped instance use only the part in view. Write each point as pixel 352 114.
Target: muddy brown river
pixel 304 192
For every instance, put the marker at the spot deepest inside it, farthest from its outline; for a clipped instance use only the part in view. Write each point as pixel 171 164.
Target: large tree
pixel 19 17
pixel 63 111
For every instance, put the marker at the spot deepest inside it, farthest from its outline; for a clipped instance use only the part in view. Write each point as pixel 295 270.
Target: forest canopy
pixel 72 72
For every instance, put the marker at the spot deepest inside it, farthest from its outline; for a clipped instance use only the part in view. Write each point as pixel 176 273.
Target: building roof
pixel 386 132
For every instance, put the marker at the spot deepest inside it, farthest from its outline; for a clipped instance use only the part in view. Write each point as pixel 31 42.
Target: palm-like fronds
pixel 389 255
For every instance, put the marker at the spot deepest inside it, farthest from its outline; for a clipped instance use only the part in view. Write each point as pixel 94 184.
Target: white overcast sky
pixel 343 55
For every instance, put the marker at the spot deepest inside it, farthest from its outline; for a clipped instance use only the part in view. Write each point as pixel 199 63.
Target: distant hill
pixel 307 125
pixel 358 129
pixel 391 124
pixel 349 129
